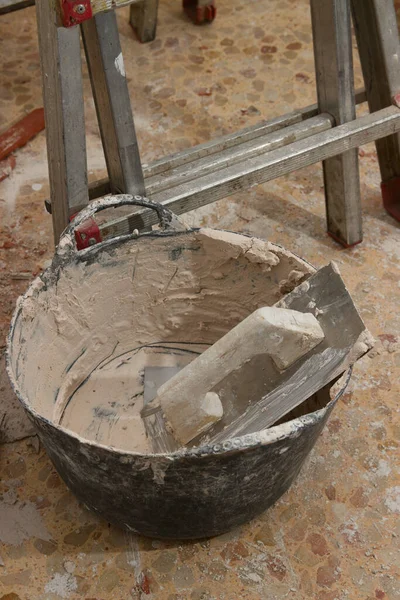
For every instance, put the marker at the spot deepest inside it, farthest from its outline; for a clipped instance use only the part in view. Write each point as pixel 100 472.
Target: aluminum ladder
pixel 327 132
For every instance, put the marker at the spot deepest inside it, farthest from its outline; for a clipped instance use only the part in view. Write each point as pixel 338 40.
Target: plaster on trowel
pixel 186 406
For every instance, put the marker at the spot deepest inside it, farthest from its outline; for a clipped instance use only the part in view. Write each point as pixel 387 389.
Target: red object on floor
pixel 391 196
pixel 75 12
pixel 6 166
pixel 200 13
pixel 20 133
pixel 87 234
pixel 144 584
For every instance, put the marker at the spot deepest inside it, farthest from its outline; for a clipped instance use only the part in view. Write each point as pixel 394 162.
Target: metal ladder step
pixel 260 168
pixel 166 165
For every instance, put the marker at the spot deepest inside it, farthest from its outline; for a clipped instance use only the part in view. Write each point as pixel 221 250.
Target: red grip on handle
pixel 87 234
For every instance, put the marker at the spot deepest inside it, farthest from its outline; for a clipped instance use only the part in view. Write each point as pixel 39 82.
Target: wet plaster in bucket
pixel 158 300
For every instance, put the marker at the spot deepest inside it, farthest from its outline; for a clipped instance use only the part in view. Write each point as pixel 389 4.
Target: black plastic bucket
pixel 162 287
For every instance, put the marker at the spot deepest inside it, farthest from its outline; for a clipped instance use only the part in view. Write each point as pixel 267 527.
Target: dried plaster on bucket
pixel 86 329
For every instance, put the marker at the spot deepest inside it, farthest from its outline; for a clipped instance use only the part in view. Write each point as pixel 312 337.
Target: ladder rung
pixel 243 150
pixel 270 165
pixel 7 6
pixel 167 163
pixel 105 5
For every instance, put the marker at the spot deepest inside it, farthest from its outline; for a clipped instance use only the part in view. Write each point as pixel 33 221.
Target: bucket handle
pixel 86 233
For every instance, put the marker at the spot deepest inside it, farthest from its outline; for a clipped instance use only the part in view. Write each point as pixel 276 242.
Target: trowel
pixel 186 406
pixel 183 407
pixel 345 341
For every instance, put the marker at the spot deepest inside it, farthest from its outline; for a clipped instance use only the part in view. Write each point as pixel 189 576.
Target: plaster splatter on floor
pixel 392 500
pixel 20 521
pixel 62 585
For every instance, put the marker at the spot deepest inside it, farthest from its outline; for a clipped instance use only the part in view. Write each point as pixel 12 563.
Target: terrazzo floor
pixel 335 534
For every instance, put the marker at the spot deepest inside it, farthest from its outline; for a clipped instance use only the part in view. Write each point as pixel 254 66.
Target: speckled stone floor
pixel 335 534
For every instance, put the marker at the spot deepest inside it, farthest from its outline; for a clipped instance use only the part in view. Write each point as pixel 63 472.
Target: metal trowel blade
pixel 154 378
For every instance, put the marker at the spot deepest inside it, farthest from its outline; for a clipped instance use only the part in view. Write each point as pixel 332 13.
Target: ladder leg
pixel 111 96
pixel 143 18
pixel 378 44
pixel 64 116
pixel 335 89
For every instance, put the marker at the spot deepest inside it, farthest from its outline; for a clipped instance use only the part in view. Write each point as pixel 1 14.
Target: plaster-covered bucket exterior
pixel 166 287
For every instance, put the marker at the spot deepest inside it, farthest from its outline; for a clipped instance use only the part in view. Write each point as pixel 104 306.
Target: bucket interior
pixel 85 332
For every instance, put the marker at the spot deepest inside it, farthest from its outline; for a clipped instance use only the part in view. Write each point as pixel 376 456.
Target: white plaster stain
pixel 69 566
pixel 133 555
pixel 21 521
pixel 159 468
pixel 350 530
pixel 61 585
pixel 383 469
pixel 35 168
pixel 119 64
pixel 392 501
